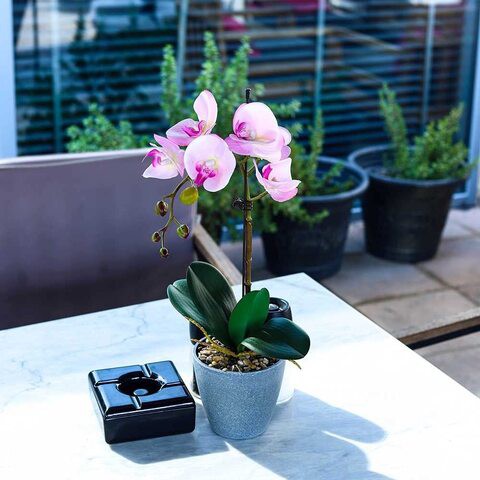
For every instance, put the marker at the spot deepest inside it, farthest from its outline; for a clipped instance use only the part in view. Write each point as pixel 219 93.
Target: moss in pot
pixel 411 186
pixel 318 219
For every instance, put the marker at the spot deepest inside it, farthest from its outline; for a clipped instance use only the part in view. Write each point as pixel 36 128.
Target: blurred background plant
pixel 304 167
pixel 435 154
pixel 99 133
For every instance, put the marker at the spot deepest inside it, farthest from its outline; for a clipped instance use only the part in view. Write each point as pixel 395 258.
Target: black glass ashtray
pixel 142 401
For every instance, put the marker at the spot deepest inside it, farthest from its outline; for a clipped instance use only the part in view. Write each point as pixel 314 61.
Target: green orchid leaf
pixel 214 283
pixel 213 297
pixel 181 300
pixel 279 338
pixel 179 297
pixel 249 315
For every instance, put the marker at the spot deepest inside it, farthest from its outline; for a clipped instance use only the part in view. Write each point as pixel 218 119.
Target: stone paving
pixel 399 295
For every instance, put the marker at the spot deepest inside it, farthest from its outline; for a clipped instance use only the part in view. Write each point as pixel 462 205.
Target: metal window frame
pixel 8 118
pixel 468 197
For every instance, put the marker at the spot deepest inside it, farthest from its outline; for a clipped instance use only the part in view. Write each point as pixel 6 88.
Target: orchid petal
pixel 271 151
pixel 166 143
pixel 285 152
pixel 183 132
pixel 205 107
pixel 256 133
pixel 260 120
pixel 209 162
pixel 277 180
pixel 162 172
pixel 287 136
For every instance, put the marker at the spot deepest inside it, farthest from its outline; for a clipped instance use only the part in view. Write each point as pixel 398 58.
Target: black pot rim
pixel 352 158
pixel 342 196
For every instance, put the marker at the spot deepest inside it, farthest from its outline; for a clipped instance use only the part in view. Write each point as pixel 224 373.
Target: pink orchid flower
pixel 256 133
pixel 205 106
pixel 209 162
pixel 167 159
pixel 277 180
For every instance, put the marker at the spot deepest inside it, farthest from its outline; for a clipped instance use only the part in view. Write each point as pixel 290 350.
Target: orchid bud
pixel 156 237
pixel 189 196
pixel 161 208
pixel 163 252
pixel 183 231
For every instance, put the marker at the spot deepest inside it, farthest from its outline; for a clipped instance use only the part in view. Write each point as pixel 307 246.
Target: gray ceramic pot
pixel 238 405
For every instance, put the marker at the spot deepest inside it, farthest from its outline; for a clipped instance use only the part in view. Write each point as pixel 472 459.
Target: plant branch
pixel 259 196
pixel 247 222
pixel 172 196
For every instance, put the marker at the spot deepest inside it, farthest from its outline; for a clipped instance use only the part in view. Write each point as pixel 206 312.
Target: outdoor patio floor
pixel 398 295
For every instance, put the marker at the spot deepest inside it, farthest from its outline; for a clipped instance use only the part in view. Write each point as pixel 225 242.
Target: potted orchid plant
pixel 240 359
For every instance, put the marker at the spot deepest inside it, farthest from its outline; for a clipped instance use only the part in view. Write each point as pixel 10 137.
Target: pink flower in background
pixel 256 133
pixel 277 180
pixel 209 162
pixel 205 106
pixel 167 160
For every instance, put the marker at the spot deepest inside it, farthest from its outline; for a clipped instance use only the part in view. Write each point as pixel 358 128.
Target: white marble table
pixel 366 406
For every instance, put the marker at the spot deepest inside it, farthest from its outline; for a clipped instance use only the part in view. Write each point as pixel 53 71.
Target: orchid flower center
pixel 159 157
pixel 243 130
pixel 206 169
pixel 266 172
pixel 196 130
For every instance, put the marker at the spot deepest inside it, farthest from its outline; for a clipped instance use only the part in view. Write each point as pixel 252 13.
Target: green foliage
pixel 249 315
pixel 279 338
pixel 436 155
pixel 395 127
pixel 304 167
pixel 206 299
pixel 98 133
pixel 171 99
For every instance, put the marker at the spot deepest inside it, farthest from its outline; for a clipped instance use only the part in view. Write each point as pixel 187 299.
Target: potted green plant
pixel 411 186
pixel 308 234
pixel 239 361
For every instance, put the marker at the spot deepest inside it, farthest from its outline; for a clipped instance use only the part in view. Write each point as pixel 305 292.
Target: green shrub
pixel 98 133
pixel 304 168
pixel 436 154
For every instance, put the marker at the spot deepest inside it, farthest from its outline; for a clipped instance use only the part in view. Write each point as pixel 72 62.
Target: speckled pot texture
pixel 238 405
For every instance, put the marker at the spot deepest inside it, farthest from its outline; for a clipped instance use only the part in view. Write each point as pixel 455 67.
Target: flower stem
pixel 259 196
pixel 247 223
pixel 171 215
pixel 247 233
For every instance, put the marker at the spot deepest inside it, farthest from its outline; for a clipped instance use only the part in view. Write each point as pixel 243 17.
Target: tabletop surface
pixel 366 407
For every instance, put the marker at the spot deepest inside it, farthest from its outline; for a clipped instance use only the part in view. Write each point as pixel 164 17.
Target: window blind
pixel 329 54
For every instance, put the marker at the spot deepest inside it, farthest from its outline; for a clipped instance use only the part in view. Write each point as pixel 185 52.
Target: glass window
pixel 329 54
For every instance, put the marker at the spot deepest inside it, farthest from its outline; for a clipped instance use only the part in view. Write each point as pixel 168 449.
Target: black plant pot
pixel 404 219
pixel 316 250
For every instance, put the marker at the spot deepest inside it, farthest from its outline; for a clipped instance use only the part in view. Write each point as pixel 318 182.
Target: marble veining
pixel 366 407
